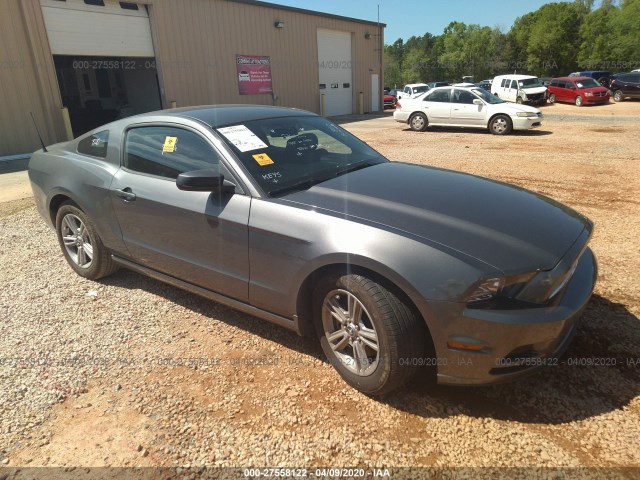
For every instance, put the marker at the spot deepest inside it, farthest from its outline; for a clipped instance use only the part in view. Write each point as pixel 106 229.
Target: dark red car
pixel 389 100
pixel 578 90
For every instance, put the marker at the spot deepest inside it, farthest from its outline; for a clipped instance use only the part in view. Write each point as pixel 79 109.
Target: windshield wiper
pixel 303 185
pixel 352 167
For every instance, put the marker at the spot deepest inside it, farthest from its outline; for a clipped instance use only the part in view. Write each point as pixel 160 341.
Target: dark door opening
pixel 99 90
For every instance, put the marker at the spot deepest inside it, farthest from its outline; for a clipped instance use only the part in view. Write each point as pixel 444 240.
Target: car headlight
pixel 546 284
pixel 588 94
pixel 527 114
pixel 489 289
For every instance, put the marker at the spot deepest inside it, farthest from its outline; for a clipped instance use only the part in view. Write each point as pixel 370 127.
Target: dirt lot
pixel 128 371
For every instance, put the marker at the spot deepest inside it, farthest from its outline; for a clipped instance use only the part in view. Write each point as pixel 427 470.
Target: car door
pixel 464 111
pixel 512 91
pixel 570 91
pixel 437 106
pixel 633 85
pixel 199 237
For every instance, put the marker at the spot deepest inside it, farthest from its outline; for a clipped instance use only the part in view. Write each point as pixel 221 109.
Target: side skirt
pixel 291 324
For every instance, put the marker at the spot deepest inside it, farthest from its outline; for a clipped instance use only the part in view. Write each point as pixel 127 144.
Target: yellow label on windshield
pixel 169 145
pixel 263 159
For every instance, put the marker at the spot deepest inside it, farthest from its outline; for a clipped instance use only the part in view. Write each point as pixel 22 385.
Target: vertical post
pixel 66 120
pixel 173 104
pixel 361 103
pixel 323 105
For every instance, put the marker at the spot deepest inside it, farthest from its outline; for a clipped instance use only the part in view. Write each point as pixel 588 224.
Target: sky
pixel 405 18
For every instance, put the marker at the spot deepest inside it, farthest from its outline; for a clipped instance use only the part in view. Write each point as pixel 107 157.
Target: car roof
pixel 416 85
pixel 572 79
pixel 220 115
pixel 515 76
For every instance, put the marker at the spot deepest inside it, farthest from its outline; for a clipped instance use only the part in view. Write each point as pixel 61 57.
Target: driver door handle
pixel 126 194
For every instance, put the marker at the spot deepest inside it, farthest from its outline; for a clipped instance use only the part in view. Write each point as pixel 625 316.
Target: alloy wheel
pixel 350 332
pixel 77 240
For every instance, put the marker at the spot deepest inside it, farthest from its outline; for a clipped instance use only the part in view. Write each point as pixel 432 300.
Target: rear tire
pixel 500 125
pixel 418 122
pixel 368 334
pixel 81 244
pixel 579 101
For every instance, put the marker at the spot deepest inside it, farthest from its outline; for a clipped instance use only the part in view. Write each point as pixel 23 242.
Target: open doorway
pixel 98 90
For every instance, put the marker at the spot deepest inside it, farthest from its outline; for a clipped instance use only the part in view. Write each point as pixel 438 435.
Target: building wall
pixel 27 80
pixel 197 40
pixel 195 45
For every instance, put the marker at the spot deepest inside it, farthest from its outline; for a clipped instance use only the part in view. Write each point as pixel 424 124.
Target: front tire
pixel 500 125
pixel 618 96
pixel 552 98
pixel 81 244
pixel 418 122
pixel 519 100
pixel 367 333
pixel 579 101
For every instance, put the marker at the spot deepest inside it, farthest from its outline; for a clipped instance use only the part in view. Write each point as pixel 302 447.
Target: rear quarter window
pixel 95 145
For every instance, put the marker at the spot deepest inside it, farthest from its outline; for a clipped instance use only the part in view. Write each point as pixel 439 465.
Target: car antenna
pixel 38 132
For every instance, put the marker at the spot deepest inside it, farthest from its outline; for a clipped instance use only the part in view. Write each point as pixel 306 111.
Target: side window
pixel 514 84
pixel 462 96
pixel 167 151
pixel 95 145
pixel 443 96
pixel 504 82
pixel 554 83
pixel 634 78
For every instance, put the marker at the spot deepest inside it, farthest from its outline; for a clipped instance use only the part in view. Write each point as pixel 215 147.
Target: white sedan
pixel 457 106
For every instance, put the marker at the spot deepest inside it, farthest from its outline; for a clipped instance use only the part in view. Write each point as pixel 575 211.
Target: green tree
pixel 626 33
pixel 598 45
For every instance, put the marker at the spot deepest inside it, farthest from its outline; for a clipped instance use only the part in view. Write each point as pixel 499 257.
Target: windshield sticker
pixel 243 138
pixel 273 177
pixel 169 145
pixel 263 159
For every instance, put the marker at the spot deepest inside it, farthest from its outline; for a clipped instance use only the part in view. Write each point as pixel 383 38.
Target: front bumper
pixel 518 342
pixel 526 123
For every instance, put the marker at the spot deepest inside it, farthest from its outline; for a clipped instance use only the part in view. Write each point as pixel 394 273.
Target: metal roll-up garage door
pixel 97 28
pixel 335 71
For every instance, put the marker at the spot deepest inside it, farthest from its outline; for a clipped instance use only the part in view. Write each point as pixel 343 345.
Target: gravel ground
pixel 160 377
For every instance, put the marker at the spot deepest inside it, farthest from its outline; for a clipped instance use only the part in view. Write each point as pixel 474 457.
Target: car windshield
pixel 294 153
pixel 486 96
pixel 421 89
pixel 530 83
pixel 587 83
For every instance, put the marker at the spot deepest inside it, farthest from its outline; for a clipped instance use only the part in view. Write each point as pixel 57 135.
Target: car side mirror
pixel 204 181
pixel 477 101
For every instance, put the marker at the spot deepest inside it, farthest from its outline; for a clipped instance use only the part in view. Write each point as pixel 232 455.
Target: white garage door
pixel 77 28
pixel 336 71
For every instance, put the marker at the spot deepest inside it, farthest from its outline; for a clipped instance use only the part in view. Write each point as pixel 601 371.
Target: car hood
pixel 514 108
pixel 509 228
pixel 594 89
pixel 534 90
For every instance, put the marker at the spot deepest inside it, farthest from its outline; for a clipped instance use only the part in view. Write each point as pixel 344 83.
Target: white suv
pixel 519 89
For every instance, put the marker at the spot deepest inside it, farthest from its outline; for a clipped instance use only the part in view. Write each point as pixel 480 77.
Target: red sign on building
pixel 254 74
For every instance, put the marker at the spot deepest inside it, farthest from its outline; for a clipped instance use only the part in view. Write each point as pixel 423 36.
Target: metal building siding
pixel 27 80
pixel 197 41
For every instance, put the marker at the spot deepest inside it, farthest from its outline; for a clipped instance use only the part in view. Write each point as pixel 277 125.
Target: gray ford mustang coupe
pixel 282 214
